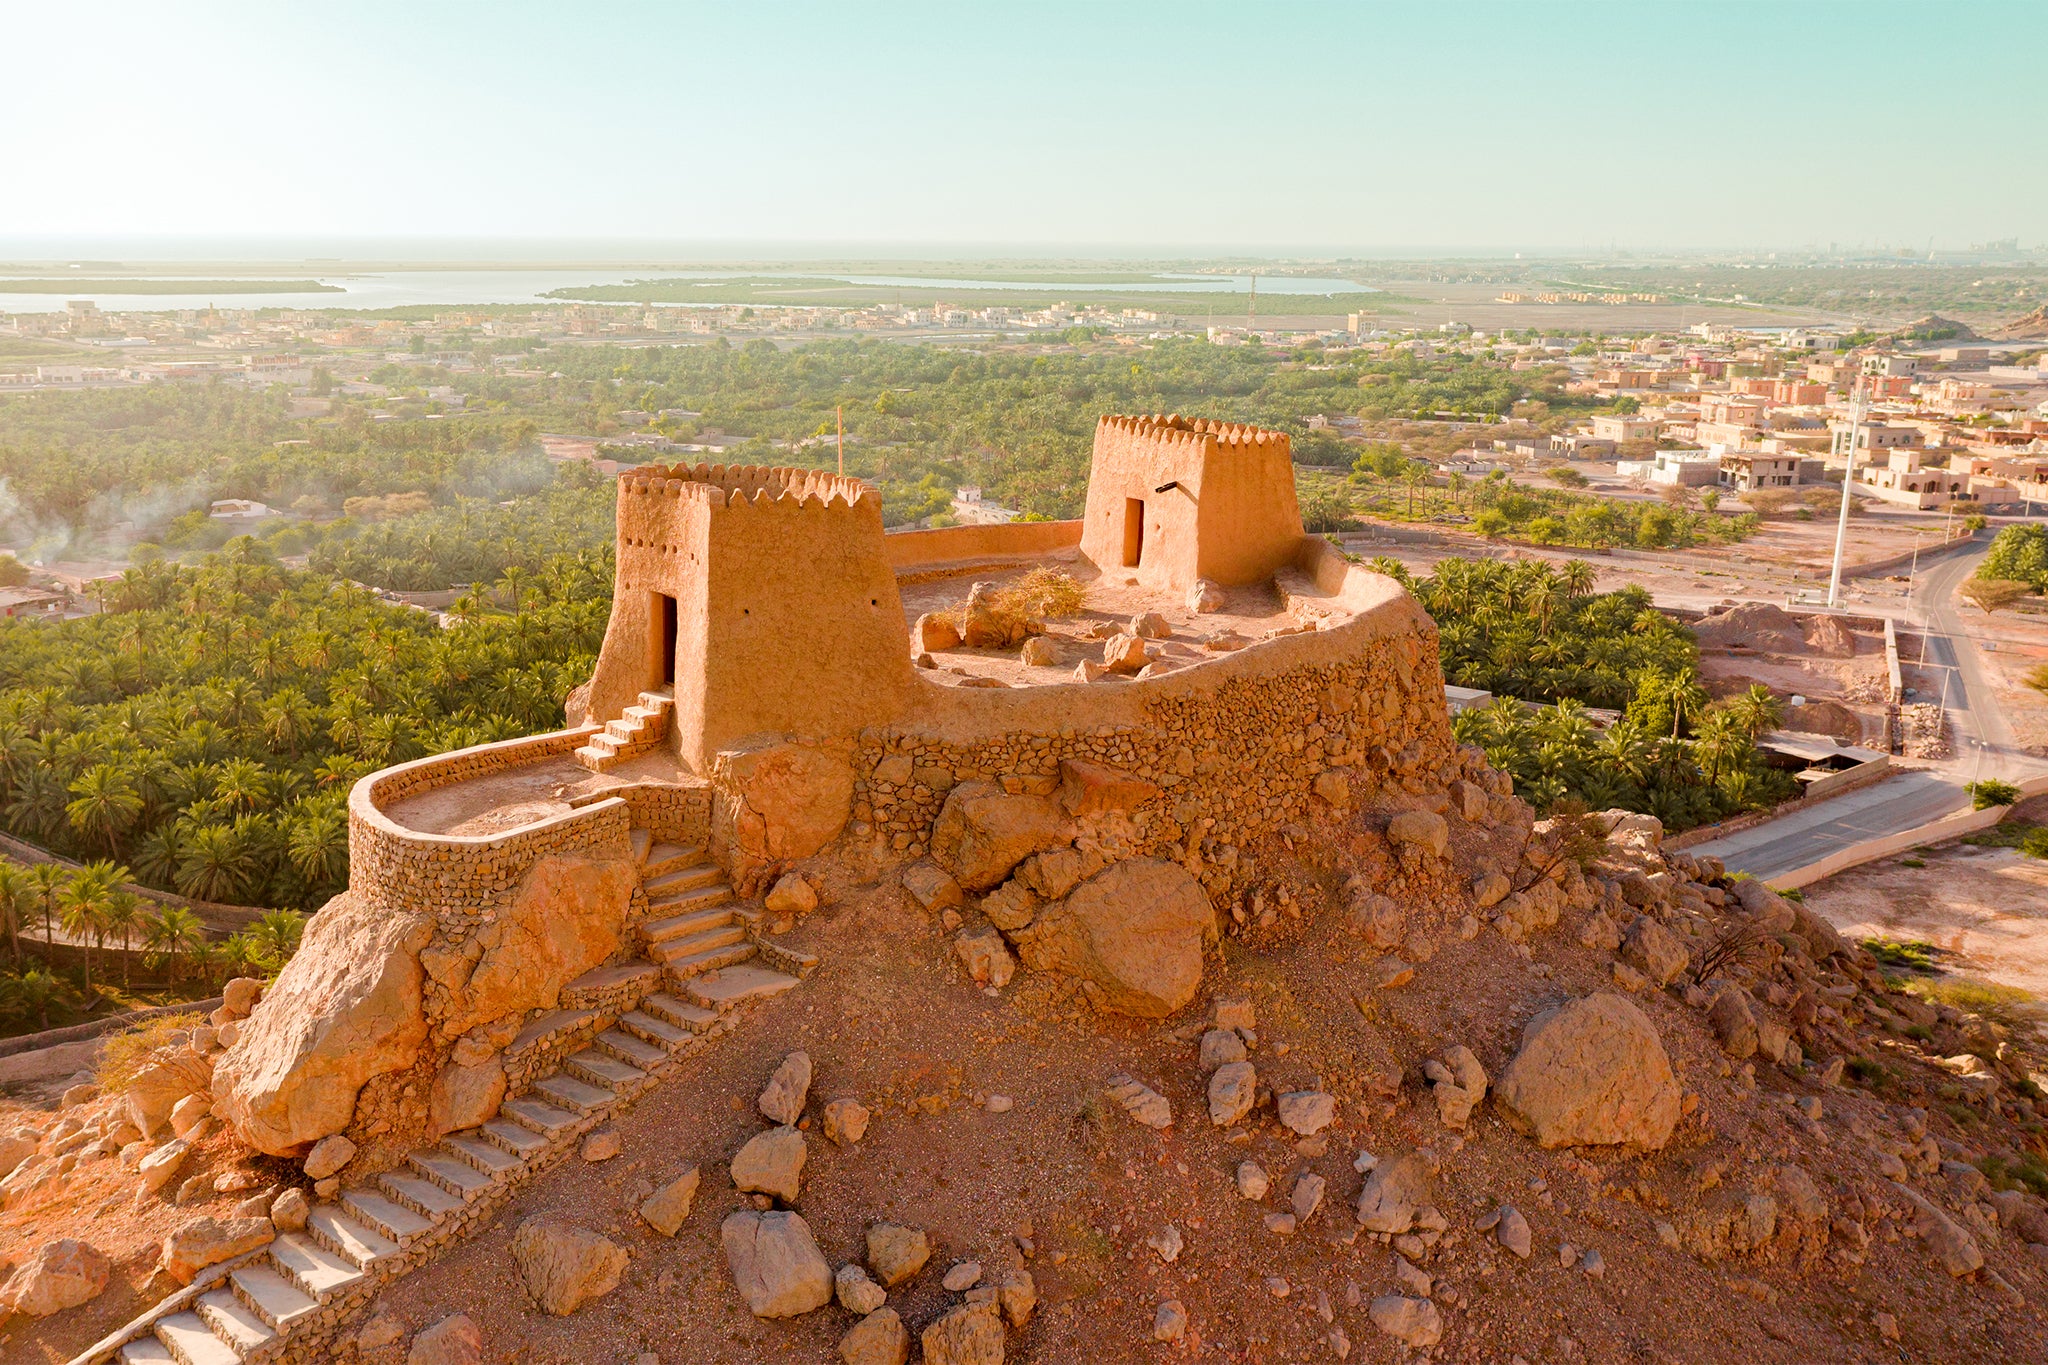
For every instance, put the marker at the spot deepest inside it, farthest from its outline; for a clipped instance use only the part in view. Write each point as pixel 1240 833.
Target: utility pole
pixel 839 413
pixel 1251 309
pixel 1848 483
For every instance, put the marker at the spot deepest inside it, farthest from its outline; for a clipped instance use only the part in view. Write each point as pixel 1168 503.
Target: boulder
pixel 1205 597
pixel 1734 1024
pixel 1414 1323
pixel 971 1334
pixel 1654 951
pixel 772 1163
pixel 846 1121
pixel 1395 1192
pixel 454 1340
pixel 290 1210
pixel 934 633
pixel 1593 1072
pixel 1420 829
pixel 1232 1091
pixel 1052 874
pixel 209 1241
pixel 1333 788
pixel 346 1007
pixel 1012 905
pixel 668 1206
pixel 1093 788
pixel 789 800
pixel 1017 1292
pixel 855 1291
pixel 1136 932
pixel 880 1338
pixel 565 1266
pixel 1307 1112
pixel 1123 654
pixel 385 1328
pixel 932 888
pixel 1039 653
pixel 982 833
pixel 1221 1047
pixel 983 625
pixel 239 996
pixel 328 1156
pixel 156 1088
pixel 896 1253
pixel 160 1166
pixel 58 1275
pixel 791 896
pixel 782 1101
pixel 1951 1245
pixel 775 1263
pixel 985 956
pixel 465 1096
pixel 1150 626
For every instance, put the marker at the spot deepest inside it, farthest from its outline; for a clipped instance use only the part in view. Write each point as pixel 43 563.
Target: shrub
pixel 1043 593
pixel 1989 793
pixel 1911 953
pixel 121 1056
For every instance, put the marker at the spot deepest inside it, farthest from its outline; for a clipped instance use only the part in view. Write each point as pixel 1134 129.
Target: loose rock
pixel 59 1275
pixel 565 1266
pixel 668 1206
pixel 855 1291
pixel 896 1253
pixel 775 1263
pixel 1169 1321
pixel 971 1334
pixel 1231 1092
pixel 1591 1072
pixel 783 1100
pixel 454 1340
pixel 1144 1104
pixel 880 1338
pixel 1307 1112
pixel 1414 1323
pixel 846 1121
pixel 772 1163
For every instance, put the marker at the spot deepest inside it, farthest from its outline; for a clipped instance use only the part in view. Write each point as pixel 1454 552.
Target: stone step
pixel 276 1299
pixel 349 1239
pixel 664 858
pixel 193 1342
pixel 630 1050
pixel 517 1139
pixel 691 888
pixel 627 729
pixel 606 743
pixel 486 1156
pixel 736 985
pixel 600 1070
pixel 644 713
pixel 233 1321
pixel 420 1195
pixel 384 1216
pixel 572 1094
pixel 682 965
pixel 681 1013
pixel 312 1267
pixel 659 1032
pixel 594 759
pixel 653 931
pixel 641 841
pixel 450 1172
pixel 659 700
pixel 547 1026
pixel 536 1115
pixel 147 1351
pixel 602 982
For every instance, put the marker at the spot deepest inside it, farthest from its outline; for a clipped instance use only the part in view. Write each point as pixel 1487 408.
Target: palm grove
pixel 201 734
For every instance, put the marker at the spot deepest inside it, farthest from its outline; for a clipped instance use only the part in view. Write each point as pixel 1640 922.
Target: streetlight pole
pixel 1848 482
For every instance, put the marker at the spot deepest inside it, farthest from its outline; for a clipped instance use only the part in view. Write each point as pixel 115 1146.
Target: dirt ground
pixel 1986 909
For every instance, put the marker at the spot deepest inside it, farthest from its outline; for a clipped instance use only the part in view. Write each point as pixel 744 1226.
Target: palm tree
pixel 14 899
pixel 33 992
pixel 218 863
pixel 276 937
pixel 47 880
pixel 105 805
pixel 1757 711
pixel 124 919
pixel 173 932
pixel 1720 741
pixel 1578 577
pixel 84 912
pixel 318 846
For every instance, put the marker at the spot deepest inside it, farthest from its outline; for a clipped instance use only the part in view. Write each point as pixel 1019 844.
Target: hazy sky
pixel 1439 124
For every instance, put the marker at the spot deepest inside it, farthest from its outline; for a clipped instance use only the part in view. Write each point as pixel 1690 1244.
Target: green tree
pixel 104 805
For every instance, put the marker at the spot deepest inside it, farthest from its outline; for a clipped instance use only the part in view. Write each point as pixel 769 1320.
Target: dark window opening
pixel 1134 531
pixel 668 637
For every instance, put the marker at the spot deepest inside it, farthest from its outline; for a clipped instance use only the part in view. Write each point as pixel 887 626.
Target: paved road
pixel 1984 749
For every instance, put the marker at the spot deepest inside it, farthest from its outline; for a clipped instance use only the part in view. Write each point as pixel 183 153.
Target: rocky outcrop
pixel 209 1241
pixel 347 1007
pixel 568 915
pixel 1592 1072
pixel 1134 935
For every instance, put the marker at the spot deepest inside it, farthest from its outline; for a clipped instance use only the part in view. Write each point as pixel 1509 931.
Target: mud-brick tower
pixel 1171 500
pixel 762 597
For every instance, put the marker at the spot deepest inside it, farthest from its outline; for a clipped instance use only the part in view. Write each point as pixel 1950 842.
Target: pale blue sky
pixel 1532 124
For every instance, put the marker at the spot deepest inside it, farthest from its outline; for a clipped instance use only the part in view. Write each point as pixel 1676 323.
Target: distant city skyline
pixel 1134 129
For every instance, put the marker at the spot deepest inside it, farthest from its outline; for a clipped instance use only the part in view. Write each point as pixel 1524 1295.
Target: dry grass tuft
pixel 1043 594
pixel 122 1054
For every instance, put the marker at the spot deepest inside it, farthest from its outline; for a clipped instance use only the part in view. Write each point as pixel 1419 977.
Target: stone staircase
pixel 696 941
pixel 644 725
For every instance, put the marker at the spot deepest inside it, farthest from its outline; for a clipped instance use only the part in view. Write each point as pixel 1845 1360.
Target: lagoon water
pixel 456 288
